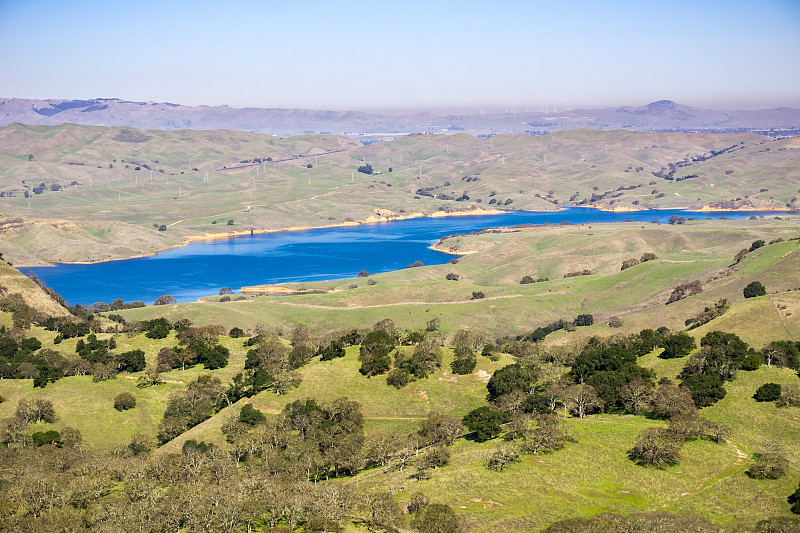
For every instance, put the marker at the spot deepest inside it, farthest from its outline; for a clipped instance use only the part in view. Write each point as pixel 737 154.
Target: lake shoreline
pixel 380 216
pixel 377 216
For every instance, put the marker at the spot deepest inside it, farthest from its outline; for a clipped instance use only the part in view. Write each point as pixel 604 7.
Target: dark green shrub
pixel 753 289
pixel 628 263
pixel 464 362
pixel 132 361
pixel 752 361
pixel 794 500
pixel 706 389
pixel 124 401
pixel 485 423
pixel 584 320
pixel 677 345
pixel 158 328
pixel 40 438
pixel 250 415
pixel 334 350
pixel 510 379
pixel 398 378
pixel 374 352
pixel 768 392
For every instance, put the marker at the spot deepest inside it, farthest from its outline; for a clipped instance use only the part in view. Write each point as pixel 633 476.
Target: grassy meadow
pixel 111 213
pixel 411 297
pixel 193 178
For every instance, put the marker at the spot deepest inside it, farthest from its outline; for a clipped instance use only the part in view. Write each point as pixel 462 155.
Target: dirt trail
pixel 740 457
pixel 352 307
pixel 162 380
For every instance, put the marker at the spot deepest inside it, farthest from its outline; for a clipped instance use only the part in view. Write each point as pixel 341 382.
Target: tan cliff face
pixel 748 204
pixel 386 215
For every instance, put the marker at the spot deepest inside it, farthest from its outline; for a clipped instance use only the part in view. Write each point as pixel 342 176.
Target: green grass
pixel 285 194
pixel 412 297
pixel 594 475
pixel 89 407
pixel 589 476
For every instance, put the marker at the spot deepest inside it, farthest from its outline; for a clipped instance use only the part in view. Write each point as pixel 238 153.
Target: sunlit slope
pixel 189 179
pixel 12 283
pixel 701 250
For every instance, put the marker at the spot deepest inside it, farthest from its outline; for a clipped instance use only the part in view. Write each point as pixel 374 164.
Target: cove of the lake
pixel 202 268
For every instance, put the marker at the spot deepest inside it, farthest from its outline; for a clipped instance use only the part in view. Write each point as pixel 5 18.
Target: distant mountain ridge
pixel 661 115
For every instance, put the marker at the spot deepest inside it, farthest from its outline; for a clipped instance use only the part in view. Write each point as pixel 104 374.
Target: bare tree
pixel 165 299
pixel 583 399
pixel 637 395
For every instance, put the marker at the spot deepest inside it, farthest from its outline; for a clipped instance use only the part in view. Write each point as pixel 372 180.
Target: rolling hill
pixel 80 179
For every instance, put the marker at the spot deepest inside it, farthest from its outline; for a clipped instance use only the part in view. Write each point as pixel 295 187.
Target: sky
pixel 440 56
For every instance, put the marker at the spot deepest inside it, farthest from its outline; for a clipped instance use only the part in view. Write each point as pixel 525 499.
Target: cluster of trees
pixel 659 446
pixel 708 314
pixel 271 364
pixel 22 315
pixel 19 358
pixel 59 485
pixel 675 345
pixel 584 272
pixel 657 521
pixel 760 243
pixel 684 290
pixel 543 331
pixel 201 399
pixel 15 433
pixel 196 345
pixel 311 441
pixel 524 402
pixel 26 359
pixel 68 329
pixel 529 279
pixel 720 357
pixel 100 307
pixel 322 439
pixel 647 256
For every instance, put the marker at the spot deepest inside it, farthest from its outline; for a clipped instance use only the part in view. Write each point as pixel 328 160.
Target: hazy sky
pixel 444 56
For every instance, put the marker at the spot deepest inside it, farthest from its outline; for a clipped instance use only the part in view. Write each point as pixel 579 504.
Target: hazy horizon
pixel 445 57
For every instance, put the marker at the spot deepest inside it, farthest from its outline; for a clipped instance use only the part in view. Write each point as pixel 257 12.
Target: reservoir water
pixel 202 268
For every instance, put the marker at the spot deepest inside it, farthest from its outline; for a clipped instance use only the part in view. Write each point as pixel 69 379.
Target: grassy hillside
pixel 701 250
pixel 589 476
pixel 13 282
pixel 111 210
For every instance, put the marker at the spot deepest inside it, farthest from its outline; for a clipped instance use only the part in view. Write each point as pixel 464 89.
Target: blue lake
pixel 202 268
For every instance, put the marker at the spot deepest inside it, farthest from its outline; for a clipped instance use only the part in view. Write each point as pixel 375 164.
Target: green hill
pixel 189 179
pixel 15 284
pixel 700 250
pixel 572 269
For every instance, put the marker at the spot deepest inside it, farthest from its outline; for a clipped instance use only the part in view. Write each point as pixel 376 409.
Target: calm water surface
pixel 202 268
